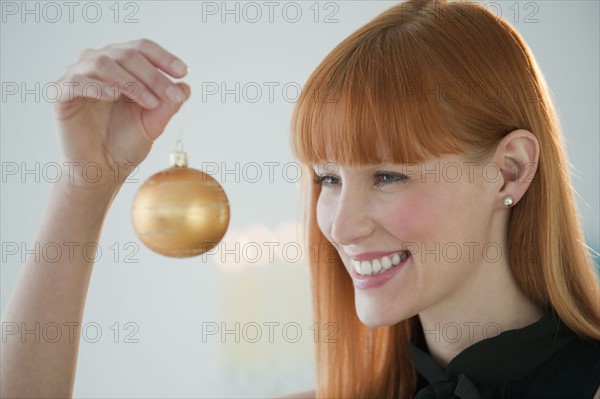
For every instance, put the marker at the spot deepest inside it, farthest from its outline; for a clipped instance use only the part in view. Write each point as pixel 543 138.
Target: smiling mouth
pixel 379 265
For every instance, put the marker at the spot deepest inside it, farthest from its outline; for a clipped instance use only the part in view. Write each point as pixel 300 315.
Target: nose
pixel 351 221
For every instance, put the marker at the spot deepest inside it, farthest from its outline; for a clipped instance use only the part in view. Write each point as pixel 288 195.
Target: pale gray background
pixel 168 300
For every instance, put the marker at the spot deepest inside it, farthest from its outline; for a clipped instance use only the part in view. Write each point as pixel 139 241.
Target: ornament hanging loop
pixel 179 142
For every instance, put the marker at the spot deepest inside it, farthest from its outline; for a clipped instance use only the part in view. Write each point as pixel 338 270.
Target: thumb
pixel 156 119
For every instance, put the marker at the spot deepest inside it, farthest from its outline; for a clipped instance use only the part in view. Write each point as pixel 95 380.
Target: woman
pixel 440 185
pixel 437 145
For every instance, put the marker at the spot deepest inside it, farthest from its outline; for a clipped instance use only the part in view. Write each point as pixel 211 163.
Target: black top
pixel 545 360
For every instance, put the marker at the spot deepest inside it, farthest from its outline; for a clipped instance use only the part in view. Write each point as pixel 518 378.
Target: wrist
pixel 84 192
pixel 91 174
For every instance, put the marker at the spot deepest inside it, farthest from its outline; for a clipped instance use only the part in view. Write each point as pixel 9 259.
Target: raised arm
pixel 99 130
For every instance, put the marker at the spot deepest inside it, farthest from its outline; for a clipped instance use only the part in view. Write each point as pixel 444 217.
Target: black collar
pixel 510 355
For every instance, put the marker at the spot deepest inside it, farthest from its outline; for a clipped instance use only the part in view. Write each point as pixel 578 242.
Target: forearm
pixel 51 293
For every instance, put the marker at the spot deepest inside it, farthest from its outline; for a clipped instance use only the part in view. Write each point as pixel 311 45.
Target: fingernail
pixel 150 99
pixel 179 67
pixel 175 94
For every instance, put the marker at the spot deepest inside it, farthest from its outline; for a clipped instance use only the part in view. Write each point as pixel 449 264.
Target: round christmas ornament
pixel 180 212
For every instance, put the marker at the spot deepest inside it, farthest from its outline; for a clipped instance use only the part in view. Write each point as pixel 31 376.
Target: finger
pixel 108 70
pixel 187 91
pixel 160 57
pixel 139 66
pixel 76 90
pixel 157 119
pixel 81 86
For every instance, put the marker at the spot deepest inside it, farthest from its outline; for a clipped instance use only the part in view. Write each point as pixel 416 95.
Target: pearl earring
pixel 508 201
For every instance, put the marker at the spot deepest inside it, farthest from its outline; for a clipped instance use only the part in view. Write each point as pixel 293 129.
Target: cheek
pixel 436 216
pixel 413 218
pixel 325 210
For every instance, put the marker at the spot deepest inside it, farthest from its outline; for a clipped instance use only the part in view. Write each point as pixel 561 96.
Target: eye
pixel 384 178
pixel 325 180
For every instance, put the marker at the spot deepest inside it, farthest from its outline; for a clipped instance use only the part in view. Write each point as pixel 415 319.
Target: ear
pixel 517 155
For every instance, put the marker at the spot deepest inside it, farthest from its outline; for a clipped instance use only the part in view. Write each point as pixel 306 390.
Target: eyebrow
pixel 321 165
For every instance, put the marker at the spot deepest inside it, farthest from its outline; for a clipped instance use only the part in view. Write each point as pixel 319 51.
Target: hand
pixel 116 129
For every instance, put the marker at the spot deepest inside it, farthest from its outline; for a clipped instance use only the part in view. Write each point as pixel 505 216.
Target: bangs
pixel 374 99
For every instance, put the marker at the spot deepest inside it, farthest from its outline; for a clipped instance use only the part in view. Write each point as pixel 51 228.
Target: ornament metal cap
pixel 179 159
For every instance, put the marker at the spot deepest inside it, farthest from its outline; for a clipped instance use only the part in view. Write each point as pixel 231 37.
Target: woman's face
pixel 441 211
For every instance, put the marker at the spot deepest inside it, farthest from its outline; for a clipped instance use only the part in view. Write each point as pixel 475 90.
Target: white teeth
pixel 376 266
pixel 386 262
pixel 366 267
pixel 356 265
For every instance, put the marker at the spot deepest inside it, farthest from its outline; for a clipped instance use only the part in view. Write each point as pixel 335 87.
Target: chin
pixel 373 315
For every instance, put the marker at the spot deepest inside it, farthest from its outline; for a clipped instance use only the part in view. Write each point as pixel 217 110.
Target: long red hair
pixel 426 78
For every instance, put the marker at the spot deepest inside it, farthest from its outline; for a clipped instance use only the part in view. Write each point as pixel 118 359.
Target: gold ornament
pixel 180 212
